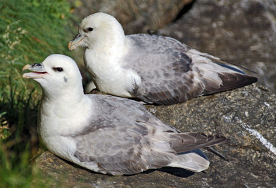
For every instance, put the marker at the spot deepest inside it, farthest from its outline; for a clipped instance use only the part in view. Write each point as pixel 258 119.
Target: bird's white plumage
pixel 152 68
pixel 112 79
pixel 110 75
pixel 104 133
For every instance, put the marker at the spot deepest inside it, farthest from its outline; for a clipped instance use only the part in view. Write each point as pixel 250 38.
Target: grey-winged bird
pixel 152 68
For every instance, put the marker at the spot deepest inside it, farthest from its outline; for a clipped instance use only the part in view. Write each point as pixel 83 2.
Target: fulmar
pixel 155 69
pixel 108 134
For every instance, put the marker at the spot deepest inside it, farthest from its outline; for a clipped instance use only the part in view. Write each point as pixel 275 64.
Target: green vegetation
pixel 29 31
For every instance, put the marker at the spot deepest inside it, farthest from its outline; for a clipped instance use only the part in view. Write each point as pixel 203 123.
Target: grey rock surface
pixel 242 32
pixel 135 16
pixel 245 115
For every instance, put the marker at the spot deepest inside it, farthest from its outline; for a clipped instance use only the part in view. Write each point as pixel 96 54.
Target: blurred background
pixel 241 32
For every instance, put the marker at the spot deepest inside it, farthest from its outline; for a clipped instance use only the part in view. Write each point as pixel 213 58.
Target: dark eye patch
pixel 58 69
pixel 89 29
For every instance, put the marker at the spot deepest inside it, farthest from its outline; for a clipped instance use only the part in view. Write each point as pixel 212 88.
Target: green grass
pixel 29 31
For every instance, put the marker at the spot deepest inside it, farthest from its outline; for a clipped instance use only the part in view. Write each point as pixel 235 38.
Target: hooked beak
pixel 77 41
pixel 37 69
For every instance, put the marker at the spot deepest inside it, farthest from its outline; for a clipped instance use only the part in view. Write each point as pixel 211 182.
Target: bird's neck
pixel 65 102
pixel 110 44
pixel 106 54
pixel 64 113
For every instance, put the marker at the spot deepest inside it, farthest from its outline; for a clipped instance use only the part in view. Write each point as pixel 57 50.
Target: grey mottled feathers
pixel 124 138
pixel 172 72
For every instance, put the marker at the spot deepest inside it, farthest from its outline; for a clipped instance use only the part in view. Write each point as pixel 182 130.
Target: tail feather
pixel 183 142
pixel 229 81
pixel 218 75
pixel 190 161
pixel 231 67
pixel 187 145
pixel 216 153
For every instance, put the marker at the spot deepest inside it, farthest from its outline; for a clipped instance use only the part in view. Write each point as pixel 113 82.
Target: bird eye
pixel 59 69
pixel 89 29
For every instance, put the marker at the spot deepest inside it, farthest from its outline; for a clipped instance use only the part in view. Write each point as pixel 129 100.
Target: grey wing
pixel 171 74
pixel 164 68
pixel 119 139
pixel 128 111
pixel 115 151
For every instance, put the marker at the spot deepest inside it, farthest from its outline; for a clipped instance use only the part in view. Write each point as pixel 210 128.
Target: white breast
pixel 109 75
pixel 57 124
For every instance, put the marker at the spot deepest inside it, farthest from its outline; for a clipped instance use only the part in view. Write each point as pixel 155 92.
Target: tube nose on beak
pixel 77 41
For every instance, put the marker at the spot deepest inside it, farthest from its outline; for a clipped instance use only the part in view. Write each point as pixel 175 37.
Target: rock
pixel 245 115
pixel 242 32
pixel 135 16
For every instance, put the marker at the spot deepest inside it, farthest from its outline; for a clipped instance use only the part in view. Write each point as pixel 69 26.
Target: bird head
pixel 56 74
pixel 98 28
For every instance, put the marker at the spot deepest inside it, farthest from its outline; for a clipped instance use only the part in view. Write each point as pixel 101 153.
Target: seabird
pixel 152 68
pixel 105 133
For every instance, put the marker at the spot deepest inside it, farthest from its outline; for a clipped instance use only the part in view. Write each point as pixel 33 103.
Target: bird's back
pixel 172 72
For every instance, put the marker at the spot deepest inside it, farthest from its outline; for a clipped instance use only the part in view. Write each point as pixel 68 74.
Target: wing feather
pixel 172 72
pixel 118 138
pixel 184 142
